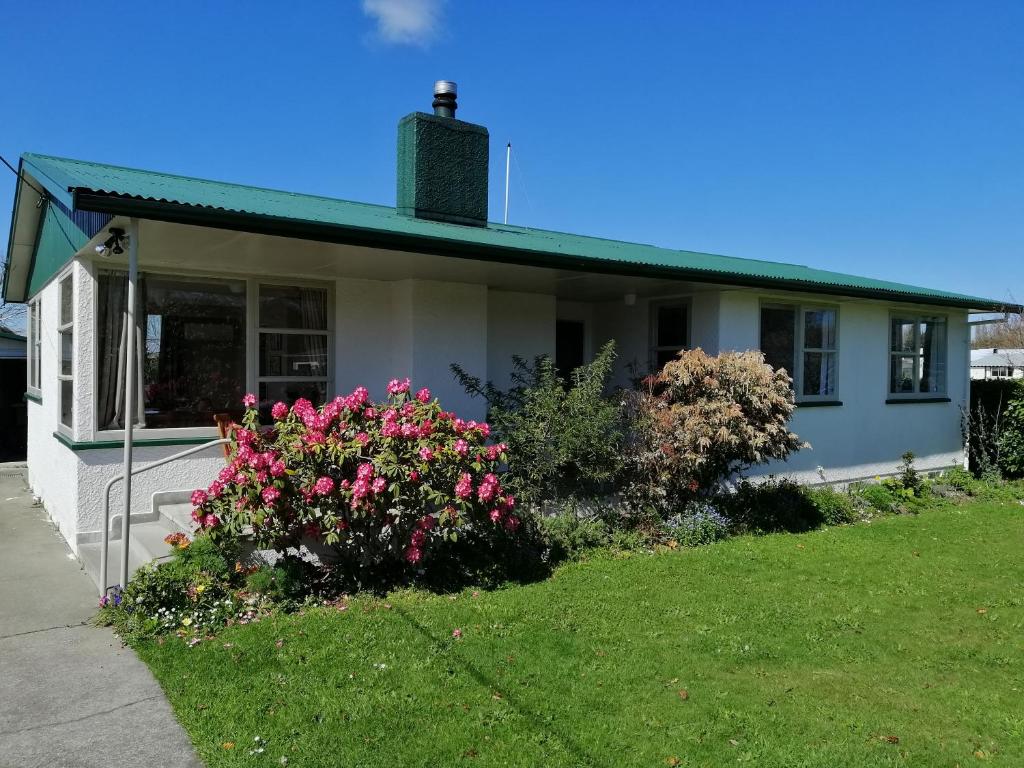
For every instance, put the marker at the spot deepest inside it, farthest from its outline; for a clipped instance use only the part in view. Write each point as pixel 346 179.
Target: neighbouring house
pixel 997 364
pixel 289 295
pixel 13 416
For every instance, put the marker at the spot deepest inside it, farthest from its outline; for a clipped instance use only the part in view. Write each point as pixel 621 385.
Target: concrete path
pixel 70 695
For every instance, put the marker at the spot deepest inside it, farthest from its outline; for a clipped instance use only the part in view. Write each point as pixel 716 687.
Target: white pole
pixel 508 159
pixel 130 370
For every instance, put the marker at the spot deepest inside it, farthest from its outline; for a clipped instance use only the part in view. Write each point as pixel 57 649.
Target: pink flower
pixel 249 400
pixel 378 485
pixel 461 447
pixel 369 414
pixel 511 523
pixel 323 486
pixel 413 554
pixel 426 454
pixel 489 488
pixel 199 498
pixel 396 387
pixel 262 477
pixel 414 476
pixel 495 515
pixel 464 488
pixel 417 539
pixel 279 411
pixel 364 471
pixel 240 478
pixel 226 474
pixel 363 438
pixel 277 468
pixel 427 522
pixel 270 495
pixel 211 521
pixel 216 488
pixel 456 633
pixel 423 395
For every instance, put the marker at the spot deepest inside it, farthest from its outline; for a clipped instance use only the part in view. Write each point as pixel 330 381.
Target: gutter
pixel 159 210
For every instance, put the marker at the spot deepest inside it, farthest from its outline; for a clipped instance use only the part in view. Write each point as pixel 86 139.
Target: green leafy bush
pixel 569 535
pixel 1011 438
pixel 700 523
pixel 834 507
pixel 564 438
pixel 771 505
pixel 703 419
pixel 877 497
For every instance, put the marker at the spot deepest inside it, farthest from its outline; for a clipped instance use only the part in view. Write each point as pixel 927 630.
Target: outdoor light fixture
pixel 112 244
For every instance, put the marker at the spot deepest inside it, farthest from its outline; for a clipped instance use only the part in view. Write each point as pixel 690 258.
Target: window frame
pixel 251 337
pixel 33 349
pixel 62 329
pixel 653 348
pixel 799 345
pixel 916 317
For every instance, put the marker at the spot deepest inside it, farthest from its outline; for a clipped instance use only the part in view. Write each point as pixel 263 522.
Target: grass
pixel 890 644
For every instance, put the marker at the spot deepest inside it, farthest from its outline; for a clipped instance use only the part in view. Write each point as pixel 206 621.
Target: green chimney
pixel 442 164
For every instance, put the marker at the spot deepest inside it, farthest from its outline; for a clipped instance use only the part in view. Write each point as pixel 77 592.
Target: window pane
pixel 67 395
pixel 901 373
pixel 287 354
pixel 902 336
pixel 778 337
pixel 570 337
pixel 66 300
pixel 819 373
pixel 820 329
pixel 933 356
pixel 66 345
pixel 291 307
pixel 671 326
pixel 194 342
pixel 288 392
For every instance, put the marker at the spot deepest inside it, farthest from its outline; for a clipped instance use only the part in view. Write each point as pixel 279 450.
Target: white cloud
pixel 405 22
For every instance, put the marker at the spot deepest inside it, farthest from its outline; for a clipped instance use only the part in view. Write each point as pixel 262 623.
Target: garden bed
pixel 890 643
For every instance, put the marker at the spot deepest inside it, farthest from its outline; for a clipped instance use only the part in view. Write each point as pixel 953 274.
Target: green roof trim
pixel 11 335
pixel 147 194
pixel 59 240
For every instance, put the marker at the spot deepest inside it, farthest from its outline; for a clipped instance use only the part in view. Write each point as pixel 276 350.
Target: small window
pixel 34 346
pixel 917 355
pixel 65 351
pixel 670 332
pixel 803 341
pixel 294 340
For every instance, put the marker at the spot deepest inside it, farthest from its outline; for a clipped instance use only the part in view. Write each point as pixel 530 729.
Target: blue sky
pixel 884 139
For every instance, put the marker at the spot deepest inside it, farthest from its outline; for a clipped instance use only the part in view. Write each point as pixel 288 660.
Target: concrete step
pixel 147 545
pixel 177 516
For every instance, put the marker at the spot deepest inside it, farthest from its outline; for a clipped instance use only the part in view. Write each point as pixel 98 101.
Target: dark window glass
pixel 67 399
pixel 66 300
pixel 289 307
pixel 671 327
pixel 569 346
pixel 778 337
pixel 291 354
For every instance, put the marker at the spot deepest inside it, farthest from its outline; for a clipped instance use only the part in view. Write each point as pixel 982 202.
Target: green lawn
pixel 895 643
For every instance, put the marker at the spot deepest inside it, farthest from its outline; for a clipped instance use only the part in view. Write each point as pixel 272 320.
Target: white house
pixel 997 363
pixel 286 295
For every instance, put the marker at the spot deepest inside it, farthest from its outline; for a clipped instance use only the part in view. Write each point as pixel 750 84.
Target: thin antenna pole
pixel 508 160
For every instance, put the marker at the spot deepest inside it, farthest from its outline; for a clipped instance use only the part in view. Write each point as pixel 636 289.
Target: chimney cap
pixel 446 86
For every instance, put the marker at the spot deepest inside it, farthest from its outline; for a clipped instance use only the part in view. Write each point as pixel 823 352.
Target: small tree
pixel 703 419
pixel 564 438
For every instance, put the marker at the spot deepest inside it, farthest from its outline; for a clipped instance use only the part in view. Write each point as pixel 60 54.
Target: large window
pixel 65 349
pixel 293 343
pixel 197 359
pixel 34 347
pixel 804 342
pixel 917 355
pixel 670 331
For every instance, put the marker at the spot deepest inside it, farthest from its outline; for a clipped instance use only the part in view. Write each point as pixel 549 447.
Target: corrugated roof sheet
pixel 989 358
pixel 72 178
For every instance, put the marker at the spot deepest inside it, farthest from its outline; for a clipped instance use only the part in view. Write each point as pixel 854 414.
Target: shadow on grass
pixel 573 747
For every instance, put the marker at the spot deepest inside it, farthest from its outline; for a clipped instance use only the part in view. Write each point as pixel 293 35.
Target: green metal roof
pixel 85 186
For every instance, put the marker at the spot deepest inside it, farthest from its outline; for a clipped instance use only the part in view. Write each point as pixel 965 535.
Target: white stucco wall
pixel 865 436
pixel 517 324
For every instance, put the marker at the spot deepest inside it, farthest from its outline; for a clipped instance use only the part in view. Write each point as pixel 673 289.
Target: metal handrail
pixel 126 524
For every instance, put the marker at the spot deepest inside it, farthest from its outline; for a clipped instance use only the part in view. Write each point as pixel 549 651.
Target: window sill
pixel 916 400
pixel 819 404
pixel 34 397
pixel 96 445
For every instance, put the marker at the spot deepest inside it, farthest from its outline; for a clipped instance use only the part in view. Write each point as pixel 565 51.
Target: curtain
pixel 313 302
pixel 113 301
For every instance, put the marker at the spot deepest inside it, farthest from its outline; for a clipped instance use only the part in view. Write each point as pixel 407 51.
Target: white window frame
pixel 63 328
pixel 34 349
pixel 652 321
pixel 916 317
pixel 257 330
pixel 251 336
pixel 799 348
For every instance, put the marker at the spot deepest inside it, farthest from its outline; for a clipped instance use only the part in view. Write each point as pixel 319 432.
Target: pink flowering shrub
pixel 378 483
